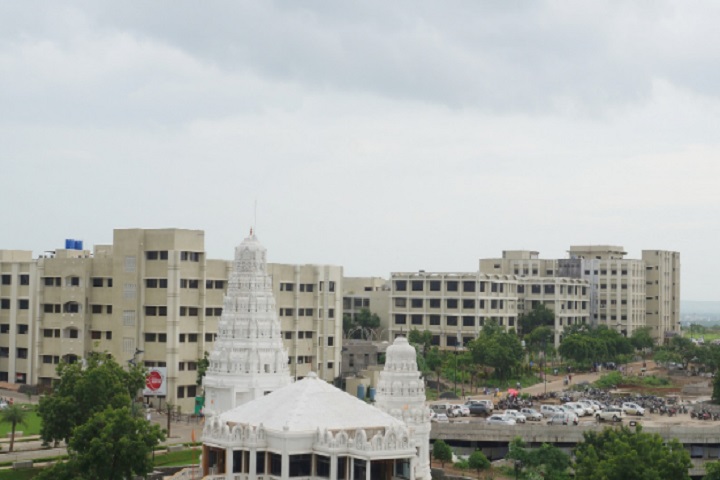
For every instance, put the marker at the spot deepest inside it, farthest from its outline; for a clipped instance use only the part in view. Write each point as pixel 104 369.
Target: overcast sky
pixel 380 136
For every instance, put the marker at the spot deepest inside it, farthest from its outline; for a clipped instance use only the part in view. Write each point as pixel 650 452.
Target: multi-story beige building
pixel 371 293
pixel 624 294
pixel 452 306
pixel 153 297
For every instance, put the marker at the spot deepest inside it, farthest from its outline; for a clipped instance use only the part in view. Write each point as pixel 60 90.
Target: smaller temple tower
pixel 248 359
pixel 401 393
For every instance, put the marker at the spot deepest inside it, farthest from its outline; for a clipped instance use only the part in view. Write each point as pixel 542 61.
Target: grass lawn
pixel 32 426
pixel 23 474
pixel 174 459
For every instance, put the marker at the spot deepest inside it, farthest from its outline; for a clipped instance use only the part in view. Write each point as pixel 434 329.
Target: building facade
pixel 152 296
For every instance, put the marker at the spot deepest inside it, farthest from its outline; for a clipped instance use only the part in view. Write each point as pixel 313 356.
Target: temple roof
pixel 308 405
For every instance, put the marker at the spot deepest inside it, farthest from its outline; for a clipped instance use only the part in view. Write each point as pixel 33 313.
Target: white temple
pixel 262 426
pixel 248 359
pixel 401 393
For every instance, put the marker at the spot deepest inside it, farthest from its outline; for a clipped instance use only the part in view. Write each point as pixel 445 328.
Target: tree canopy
pixel 364 320
pixel 616 454
pixel 84 389
pixel 14 415
pixel 442 452
pixel 547 461
pixel 496 348
pixel 539 316
pixel 91 409
pixel 478 461
pixel 600 344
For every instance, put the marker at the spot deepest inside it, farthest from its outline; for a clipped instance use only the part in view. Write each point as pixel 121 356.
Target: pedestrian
pixel 570 378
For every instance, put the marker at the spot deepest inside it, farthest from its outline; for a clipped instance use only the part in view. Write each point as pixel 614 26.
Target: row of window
pixel 450 320
pixel 467 303
pixel 22 329
pixel 450 286
pixel 182 337
pixel 22 304
pixel 6 279
pixel 186 390
pixel 19 352
pixel 305 287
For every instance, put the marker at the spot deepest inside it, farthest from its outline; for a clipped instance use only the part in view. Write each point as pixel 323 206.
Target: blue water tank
pixel 371 394
pixel 361 391
pixel 69 244
pixel 78 245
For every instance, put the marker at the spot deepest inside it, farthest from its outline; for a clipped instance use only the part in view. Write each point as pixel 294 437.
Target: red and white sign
pixel 156 382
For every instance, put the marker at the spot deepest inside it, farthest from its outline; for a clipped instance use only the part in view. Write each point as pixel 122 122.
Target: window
pixel 193 311
pixel 24 279
pixel 129 318
pixel 22 353
pixel 129 291
pixel 400 302
pixel 130 264
pixel 192 366
pixel 401 285
pixel 190 256
pixel 468 286
pixel 468 321
pixel 468 303
pixel 96 309
pixel 150 337
pixel 95 334
pixel 209 337
pixel 331 313
pixel 162 311
pixel 47 359
pixel 151 255
pixel 434 320
pixel 451 303
pixel 24 304
pixel 181 338
pixel 108 335
pixel 417 285
pixel 416 319
pixel 4 352
pixel 181 392
pixel 521 289
pixel 416 303
pixel 192 337
pixel 191 391
pixel 52 281
pixel 6 279
pixel 452 286
pixel 434 303
pixel 181 366
pixel 151 311
pixel 162 337
pixel 287 287
pixel 96 282
pixel 5 304
pixel 151 283
pixel 451 321
pixel 330 341
pixel 400 319
pixel 331 286
pixel 47 332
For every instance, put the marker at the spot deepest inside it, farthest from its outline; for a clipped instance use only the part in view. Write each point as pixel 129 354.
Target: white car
pixel 563 419
pixel 500 420
pixel 589 406
pixel 461 410
pixel 631 408
pixel 550 410
pixel 575 408
pixel 614 414
pixel 440 418
pixel 519 417
pixel 531 414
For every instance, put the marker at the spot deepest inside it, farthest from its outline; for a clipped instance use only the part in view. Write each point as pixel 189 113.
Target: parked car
pixel 498 419
pixel 460 410
pixel 563 419
pixel 589 406
pixel 488 405
pixel 576 409
pixel 531 414
pixel 440 418
pixel 550 410
pixel 445 408
pixel 631 408
pixel 610 413
pixel 519 417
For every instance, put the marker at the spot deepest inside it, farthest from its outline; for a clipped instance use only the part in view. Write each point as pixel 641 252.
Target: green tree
pixel 539 316
pixel 478 461
pixel 547 461
pixel 14 415
pixel 434 362
pixel 540 339
pixel 624 453
pixel 423 339
pixel 442 452
pixel 202 366
pixel 641 339
pixel 112 445
pixel 85 389
pixel 364 319
pixel 498 349
pixel 712 471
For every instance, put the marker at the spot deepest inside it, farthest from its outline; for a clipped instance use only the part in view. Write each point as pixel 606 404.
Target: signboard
pixel 156 382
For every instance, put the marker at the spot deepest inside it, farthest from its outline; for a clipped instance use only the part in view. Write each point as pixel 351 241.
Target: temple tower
pixel 401 393
pixel 248 359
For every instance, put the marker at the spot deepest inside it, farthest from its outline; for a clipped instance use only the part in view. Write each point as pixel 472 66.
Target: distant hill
pixel 693 307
